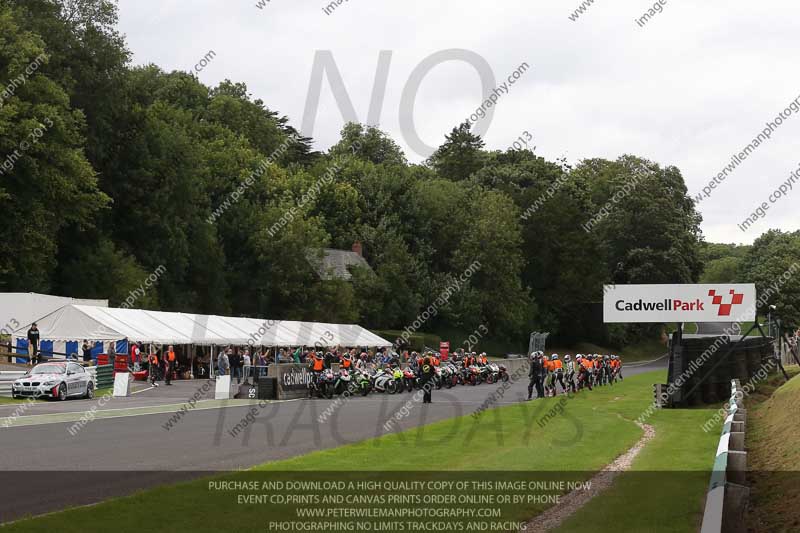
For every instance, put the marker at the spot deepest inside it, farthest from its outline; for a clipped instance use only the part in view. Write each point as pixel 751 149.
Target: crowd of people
pixel 573 375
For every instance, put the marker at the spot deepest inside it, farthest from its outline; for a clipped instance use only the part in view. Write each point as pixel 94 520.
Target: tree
pixel 368 144
pixel 47 183
pixel 460 156
pixel 773 264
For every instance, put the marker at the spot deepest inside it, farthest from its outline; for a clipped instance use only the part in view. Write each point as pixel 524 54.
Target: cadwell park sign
pixel 680 303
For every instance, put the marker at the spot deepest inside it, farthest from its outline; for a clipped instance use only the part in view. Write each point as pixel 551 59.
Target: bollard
pixel 122 385
pixel 223 389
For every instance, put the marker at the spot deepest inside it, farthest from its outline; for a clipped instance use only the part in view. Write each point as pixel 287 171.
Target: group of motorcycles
pixel 395 380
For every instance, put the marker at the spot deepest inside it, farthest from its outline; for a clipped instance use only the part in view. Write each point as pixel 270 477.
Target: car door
pixel 75 385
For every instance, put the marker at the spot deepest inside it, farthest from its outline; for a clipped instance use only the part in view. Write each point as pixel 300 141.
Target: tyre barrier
pixel 726 501
pixel 104 376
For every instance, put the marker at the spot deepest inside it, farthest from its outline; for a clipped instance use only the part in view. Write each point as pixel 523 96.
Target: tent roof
pixel 77 322
pixel 19 309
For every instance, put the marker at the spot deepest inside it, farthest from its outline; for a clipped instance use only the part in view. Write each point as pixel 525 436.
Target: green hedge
pixel 417 341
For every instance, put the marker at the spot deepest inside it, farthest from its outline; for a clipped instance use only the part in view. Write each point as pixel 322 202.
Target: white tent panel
pixel 140 325
pixel 77 322
pixel 71 323
pixel 18 309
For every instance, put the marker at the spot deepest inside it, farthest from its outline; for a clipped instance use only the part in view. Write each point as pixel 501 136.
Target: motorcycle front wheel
pixel 328 391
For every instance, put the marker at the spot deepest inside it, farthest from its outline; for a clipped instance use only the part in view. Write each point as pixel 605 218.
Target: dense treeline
pixel 772 262
pixel 115 170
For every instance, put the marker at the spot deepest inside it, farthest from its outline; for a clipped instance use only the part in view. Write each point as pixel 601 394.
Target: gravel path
pixel 572 502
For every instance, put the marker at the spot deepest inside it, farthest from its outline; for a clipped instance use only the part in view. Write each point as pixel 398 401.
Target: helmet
pixel 578 357
pixel 566 357
pixel 554 357
pixel 605 358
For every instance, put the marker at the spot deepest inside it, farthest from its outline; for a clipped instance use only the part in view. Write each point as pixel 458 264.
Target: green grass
pixel 666 487
pixel 595 428
pixel 773 455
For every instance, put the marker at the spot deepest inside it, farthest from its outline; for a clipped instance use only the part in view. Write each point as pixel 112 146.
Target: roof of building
pixel 336 264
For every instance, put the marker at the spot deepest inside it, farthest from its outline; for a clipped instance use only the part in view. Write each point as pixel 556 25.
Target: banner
pixel 679 303
pixel 444 350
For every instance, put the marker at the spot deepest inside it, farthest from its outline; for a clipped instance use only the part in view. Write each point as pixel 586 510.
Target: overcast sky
pixel 691 88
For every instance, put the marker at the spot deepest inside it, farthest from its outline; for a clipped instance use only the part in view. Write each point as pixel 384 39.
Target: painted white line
pixel 143 390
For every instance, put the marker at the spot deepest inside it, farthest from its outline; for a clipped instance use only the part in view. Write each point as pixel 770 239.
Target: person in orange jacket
pixel 558 374
pixel 152 368
pixel 169 365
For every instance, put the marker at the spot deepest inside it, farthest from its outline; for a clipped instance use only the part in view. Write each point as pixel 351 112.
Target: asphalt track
pixel 45 468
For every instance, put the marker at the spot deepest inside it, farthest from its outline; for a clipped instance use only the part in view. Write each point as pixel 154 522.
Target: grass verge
pixel 773 453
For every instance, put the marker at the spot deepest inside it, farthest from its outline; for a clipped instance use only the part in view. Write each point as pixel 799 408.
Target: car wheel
pixel 89 391
pixel 62 392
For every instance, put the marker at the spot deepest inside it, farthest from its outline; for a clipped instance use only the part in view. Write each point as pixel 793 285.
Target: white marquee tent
pixel 78 322
pixel 19 309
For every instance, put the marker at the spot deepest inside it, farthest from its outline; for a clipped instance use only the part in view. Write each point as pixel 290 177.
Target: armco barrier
pixel 726 502
pixel 6 379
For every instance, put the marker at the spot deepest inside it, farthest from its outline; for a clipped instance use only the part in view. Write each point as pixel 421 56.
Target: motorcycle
pixel 399 379
pixel 362 382
pixel 437 378
pixel 475 375
pixel 410 379
pixel 323 386
pixel 342 382
pixel 497 373
pixel 383 381
pixel 449 375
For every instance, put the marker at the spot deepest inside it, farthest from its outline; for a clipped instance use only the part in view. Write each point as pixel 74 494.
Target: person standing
pixel 427 371
pixel 135 356
pixel 536 376
pixel 262 364
pixel 152 368
pixel 33 344
pixel 223 363
pixel 169 365
pixel 247 365
pixel 87 351
pixel 236 365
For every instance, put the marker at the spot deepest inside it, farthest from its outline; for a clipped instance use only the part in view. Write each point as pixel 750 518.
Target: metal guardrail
pixel 727 494
pixel 6 378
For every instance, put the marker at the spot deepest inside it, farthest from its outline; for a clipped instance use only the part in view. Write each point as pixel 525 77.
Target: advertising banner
pixel 680 303
pixel 293 381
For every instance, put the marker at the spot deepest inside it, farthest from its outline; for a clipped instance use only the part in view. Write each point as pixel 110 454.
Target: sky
pixel 690 87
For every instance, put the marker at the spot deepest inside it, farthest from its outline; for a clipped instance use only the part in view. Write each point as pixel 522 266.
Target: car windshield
pixel 48 369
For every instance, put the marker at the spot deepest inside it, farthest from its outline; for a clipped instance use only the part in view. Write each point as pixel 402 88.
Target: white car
pixel 61 380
